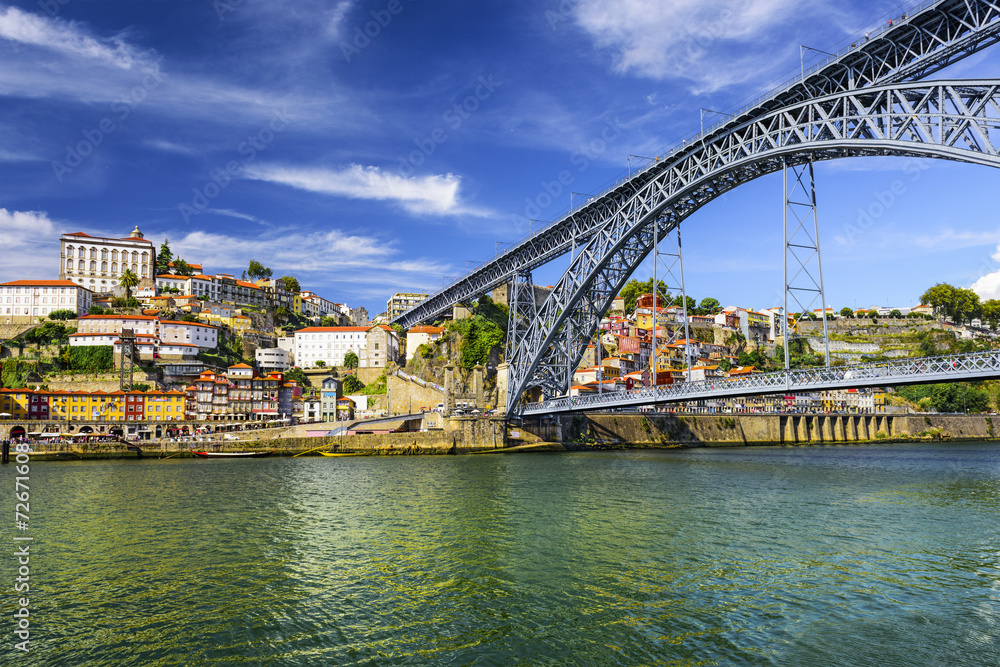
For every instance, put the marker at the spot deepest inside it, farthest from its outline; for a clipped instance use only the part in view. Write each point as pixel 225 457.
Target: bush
pixel 62 315
pixel 89 358
pixel 352 385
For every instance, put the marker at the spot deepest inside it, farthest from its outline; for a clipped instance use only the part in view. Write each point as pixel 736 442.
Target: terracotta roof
pixel 198 324
pixel 426 329
pixel 241 366
pixel 117 317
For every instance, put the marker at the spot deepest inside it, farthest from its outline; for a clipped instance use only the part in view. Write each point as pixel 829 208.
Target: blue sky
pixel 365 164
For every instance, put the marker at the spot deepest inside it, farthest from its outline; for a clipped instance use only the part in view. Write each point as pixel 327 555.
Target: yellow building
pixel 164 405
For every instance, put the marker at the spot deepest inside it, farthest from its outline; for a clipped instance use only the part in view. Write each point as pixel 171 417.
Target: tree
pixel 351 359
pixel 846 312
pixel 320 363
pixel 291 284
pixel 97 310
pixel 281 314
pixel 328 321
pixel 635 288
pixel 352 385
pixel 896 313
pixel 164 257
pixel 182 268
pixel 257 271
pixel 188 317
pixel 62 315
pixel 297 375
pixel 709 305
pixel 128 280
pixel 691 303
pixel 991 312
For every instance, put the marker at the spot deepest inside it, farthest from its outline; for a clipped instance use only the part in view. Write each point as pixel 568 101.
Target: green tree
pixel 991 312
pixel 188 317
pixel 351 359
pixel 709 305
pixel 291 284
pixel 97 310
pixel 297 375
pixel 896 313
pixel 182 268
pixel 128 280
pixel 353 385
pixel 257 271
pixel 163 258
pixel 846 312
pixel 320 363
pixel 62 315
pixel 281 314
pixel 941 297
pixel 636 288
pixel 328 321
pixel 679 301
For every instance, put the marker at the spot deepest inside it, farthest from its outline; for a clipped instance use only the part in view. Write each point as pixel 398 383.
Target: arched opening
pixel 17 432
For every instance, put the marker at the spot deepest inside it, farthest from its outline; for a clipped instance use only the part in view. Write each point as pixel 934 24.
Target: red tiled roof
pixel 117 317
pixel 197 324
pixel 241 366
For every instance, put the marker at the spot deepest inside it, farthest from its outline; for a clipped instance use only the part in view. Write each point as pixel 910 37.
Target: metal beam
pixel 956 120
pixel 934 35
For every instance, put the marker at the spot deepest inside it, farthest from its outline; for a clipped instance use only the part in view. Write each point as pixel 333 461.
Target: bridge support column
pixel 477 385
pixel 802 246
pixel 449 389
pixel 503 374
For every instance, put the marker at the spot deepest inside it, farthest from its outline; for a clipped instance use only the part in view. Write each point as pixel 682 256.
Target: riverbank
pixel 583 432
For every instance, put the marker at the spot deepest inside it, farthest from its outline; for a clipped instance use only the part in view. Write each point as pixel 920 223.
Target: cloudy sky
pixel 368 147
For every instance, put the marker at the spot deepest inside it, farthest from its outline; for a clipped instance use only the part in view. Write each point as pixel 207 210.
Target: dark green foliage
pixel 97 310
pixel 754 358
pixel 846 312
pixel 182 268
pixel 140 386
pixel 62 315
pixel 353 385
pixel 351 359
pixel 188 317
pixel 48 333
pixel 636 288
pixel 297 375
pixel 89 358
pixel 15 372
pixel 257 271
pixel 950 397
pixel 164 257
pixel 291 284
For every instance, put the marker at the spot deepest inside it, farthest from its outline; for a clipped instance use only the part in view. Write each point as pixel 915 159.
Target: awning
pixel 52 435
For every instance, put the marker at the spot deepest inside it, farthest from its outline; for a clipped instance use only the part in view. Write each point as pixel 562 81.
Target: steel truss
pixel 934 35
pixel 672 259
pixel 802 246
pixel 955 120
pixel 951 368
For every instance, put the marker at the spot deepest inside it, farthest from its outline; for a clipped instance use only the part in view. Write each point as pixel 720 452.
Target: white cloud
pixel 420 195
pixel 22 234
pixel 310 256
pixel 988 286
pixel 68 39
pixel 713 43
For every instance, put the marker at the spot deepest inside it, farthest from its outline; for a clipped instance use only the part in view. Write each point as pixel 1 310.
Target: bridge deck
pixel 922 370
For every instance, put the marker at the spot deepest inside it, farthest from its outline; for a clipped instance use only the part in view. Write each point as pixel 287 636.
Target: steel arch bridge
pixel 935 34
pixel 955 120
pixel 851 105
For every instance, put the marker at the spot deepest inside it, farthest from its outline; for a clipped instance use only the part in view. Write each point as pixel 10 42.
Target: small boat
pixel 344 454
pixel 231 455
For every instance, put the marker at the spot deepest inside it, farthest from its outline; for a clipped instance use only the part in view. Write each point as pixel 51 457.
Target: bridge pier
pixel 503 374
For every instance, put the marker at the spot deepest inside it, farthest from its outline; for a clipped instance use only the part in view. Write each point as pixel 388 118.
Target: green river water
pixel 852 555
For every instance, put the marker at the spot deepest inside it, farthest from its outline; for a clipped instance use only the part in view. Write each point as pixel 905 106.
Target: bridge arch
pixel 953 120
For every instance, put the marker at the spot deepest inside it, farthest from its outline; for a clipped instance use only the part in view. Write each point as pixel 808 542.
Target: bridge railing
pixel 905 371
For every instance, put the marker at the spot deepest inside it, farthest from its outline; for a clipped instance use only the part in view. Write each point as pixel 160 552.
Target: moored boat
pixel 344 454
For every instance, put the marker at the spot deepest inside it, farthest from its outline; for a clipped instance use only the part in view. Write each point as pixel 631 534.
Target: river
pixel 836 555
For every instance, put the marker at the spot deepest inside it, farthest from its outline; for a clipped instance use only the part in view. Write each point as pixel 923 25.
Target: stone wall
pixel 410 396
pixel 98 381
pixel 653 429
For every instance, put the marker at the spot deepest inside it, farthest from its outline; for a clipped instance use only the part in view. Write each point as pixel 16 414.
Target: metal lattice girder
pixel 672 261
pixel 955 120
pixel 805 286
pixel 521 307
pixel 921 370
pixel 934 35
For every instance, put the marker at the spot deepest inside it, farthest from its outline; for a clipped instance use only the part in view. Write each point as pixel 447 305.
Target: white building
pixel 421 335
pixel 153 336
pixel 97 263
pixel 287 343
pixel 197 285
pixel 25 301
pixel 273 359
pixel 329 345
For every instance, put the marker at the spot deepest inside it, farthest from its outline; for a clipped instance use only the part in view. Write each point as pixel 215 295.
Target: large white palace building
pixel 97 263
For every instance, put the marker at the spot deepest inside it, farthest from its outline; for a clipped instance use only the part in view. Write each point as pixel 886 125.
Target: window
pixel 93 253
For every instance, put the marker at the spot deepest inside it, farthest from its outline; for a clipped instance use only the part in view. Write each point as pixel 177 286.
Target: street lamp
pixel 802 63
pixel 582 194
pixel 641 157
